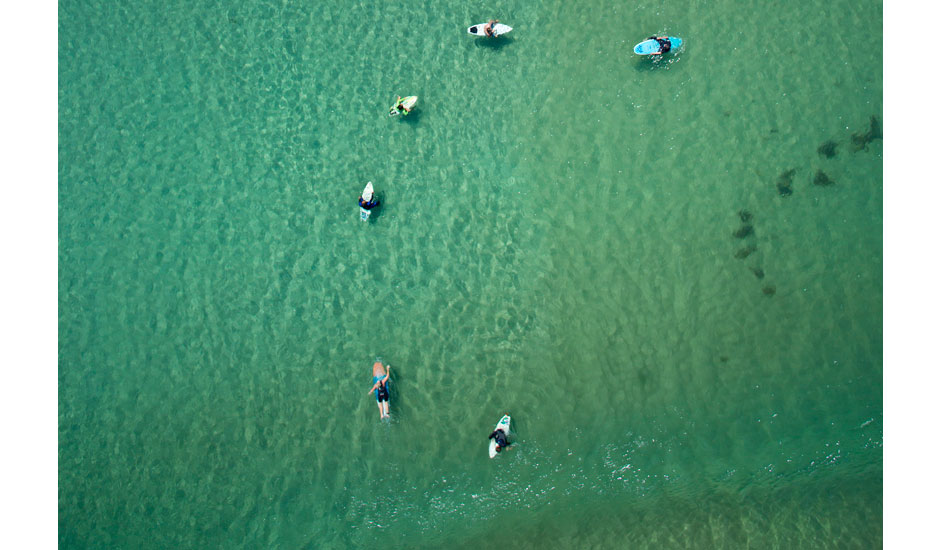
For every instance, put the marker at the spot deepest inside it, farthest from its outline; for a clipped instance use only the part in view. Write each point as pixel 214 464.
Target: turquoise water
pixel 561 238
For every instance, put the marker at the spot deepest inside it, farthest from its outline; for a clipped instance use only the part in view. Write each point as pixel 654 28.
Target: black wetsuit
pixel 373 203
pixel 500 438
pixel 665 44
pixel 382 393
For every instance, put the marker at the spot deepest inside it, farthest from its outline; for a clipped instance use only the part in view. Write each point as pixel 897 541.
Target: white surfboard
pixel 479 30
pixel 503 424
pixel 367 196
pixel 409 102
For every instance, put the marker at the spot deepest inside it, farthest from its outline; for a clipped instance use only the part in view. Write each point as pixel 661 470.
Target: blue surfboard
pixel 651 46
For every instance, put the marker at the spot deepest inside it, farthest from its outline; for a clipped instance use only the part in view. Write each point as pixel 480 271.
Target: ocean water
pixel 630 256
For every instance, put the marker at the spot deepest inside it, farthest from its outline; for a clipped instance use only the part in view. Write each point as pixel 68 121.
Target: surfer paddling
pixel 368 200
pixel 401 108
pixel 381 387
pixel 665 44
pixel 501 439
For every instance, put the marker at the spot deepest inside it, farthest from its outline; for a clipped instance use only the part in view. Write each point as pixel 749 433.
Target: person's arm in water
pixel 371 390
pixel 384 380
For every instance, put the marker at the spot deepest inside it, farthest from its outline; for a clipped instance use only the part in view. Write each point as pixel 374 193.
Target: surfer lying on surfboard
pixel 403 105
pixel 501 440
pixel 664 42
pixel 368 202
pixel 490 28
pixel 381 387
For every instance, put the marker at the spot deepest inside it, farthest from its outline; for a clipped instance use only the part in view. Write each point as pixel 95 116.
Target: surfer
pixel 501 440
pixel 490 28
pixel 371 202
pixel 665 44
pixel 381 387
pixel 399 107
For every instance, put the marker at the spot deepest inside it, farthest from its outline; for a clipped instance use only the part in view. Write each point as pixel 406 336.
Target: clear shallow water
pixel 556 242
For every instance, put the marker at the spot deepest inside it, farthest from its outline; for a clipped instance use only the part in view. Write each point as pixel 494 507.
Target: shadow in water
pixel 412 119
pixel 380 209
pixel 496 43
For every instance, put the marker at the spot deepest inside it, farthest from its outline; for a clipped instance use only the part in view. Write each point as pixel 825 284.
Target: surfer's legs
pixel 382 414
pixel 385 407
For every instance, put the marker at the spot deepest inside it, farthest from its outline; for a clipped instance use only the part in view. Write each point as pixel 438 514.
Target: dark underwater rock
pixel 743 231
pixel 859 141
pixel 744 252
pixel 758 272
pixel 745 216
pixel 828 149
pixel 768 290
pixel 784 182
pixel 822 179
pixel 875 132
